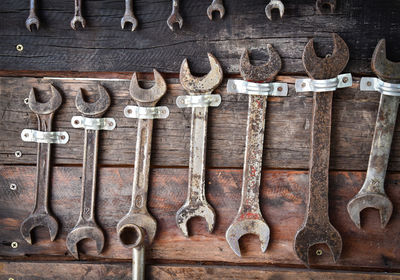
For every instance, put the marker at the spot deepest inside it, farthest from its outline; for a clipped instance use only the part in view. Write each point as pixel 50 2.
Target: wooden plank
pixel 103 46
pixel 122 271
pixel 286 145
pixel 283 199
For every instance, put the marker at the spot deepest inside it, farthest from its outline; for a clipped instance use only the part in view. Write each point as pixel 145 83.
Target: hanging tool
pixel 129 16
pixel 78 15
pixel 32 18
pixel 175 16
pixel 216 6
pixel 372 193
pixel 324 6
pixel 274 4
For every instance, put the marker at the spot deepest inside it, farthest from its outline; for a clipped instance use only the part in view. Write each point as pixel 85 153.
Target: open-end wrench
pixel 86 227
pixel 138 224
pixel 249 219
pixel 323 5
pixel 78 15
pixel 196 204
pixel 32 18
pixel 274 4
pixel 129 16
pixel 41 215
pixel 175 16
pixel 216 6
pixel 317 228
pixel 372 193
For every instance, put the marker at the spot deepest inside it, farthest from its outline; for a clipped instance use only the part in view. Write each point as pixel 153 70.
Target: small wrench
pixel 175 16
pixel 274 4
pixel 138 223
pixel 41 215
pixel 129 15
pixel 86 227
pixel 317 228
pixel 216 6
pixel 322 6
pixel 32 18
pixel 78 15
pixel 196 204
pixel 372 193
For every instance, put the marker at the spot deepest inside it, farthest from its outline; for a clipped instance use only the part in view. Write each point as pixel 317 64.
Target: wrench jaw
pixel 89 230
pixel 78 19
pixel 321 6
pixel 148 96
pixel 215 8
pixel 175 18
pixel 32 20
pixel 274 5
pixel 385 69
pixel 137 222
pixel 129 19
pixel 187 211
pixel 48 107
pixel 37 220
pixel 96 108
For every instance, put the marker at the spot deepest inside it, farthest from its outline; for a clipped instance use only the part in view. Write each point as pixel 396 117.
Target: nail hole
pixel 303 85
pixel 129 111
pixel 62 137
pixel 26 135
pixel 369 84
pixel 280 88
pixel 110 124
pixel 18 154
pixel 76 122
pixel 26 101
pixel 14 245
pixel 13 187
pixel 20 47
pixel 318 252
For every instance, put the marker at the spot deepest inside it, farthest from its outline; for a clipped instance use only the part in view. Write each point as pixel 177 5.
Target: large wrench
pixel 138 223
pixel 78 15
pixel 249 218
pixel 41 215
pixel 324 5
pixel 216 6
pixel 175 16
pixel 372 193
pixel 317 228
pixel 32 18
pixel 274 4
pixel 86 227
pixel 129 16
pixel 196 204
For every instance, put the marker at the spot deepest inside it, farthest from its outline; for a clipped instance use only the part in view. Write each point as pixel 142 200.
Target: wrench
pixel 274 4
pixel 196 204
pixel 317 228
pixel 138 223
pixel 78 15
pixel 216 6
pixel 129 15
pixel 86 227
pixel 32 18
pixel 322 6
pixel 175 16
pixel 41 215
pixel 372 193
pixel 249 218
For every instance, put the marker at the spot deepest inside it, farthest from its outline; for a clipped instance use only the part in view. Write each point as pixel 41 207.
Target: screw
pixel 62 137
pixel 13 187
pixel 369 84
pixel 14 245
pixel 26 101
pixel 280 88
pixel 19 47
pixel 110 124
pixel 303 85
pixel 318 252
pixel 76 122
pixel 345 80
pixel 129 111
pixel 18 154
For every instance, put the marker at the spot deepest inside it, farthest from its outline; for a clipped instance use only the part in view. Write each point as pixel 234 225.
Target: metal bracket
pixel 267 89
pixel 52 137
pixel 341 81
pixel 93 123
pixel 197 101
pixel 136 112
pixel 375 84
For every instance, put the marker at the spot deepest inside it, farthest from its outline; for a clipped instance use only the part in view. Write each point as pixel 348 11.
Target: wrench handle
pixel 33 5
pixel 78 7
pixel 138 267
pixel 128 6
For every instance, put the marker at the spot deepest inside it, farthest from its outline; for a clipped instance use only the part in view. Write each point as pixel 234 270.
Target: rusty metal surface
pixel 129 16
pixel 41 215
pixel 32 18
pixel 274 4
pixel 216 6
pixel 325 6
pixel 175 16
pixel 78 18
pixel 317 228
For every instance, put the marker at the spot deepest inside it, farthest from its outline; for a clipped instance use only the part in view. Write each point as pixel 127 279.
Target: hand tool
pixel 372 193
pixel 32 18
pixel 86 227
pixel 216 6
pixel 41 216
pixel 78 15
pixel 138 224
pixel 322 6
pixel 274 4
pixel 129 15
pixel 249 218
pixel 317 228
pixel 175 16
pixel 199 89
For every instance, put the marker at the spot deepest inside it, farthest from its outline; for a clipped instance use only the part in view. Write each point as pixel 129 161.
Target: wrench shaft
pixel 78 7
pixel 138 267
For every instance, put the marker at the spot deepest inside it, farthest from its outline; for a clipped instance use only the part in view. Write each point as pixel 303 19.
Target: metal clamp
pixel 375 84
pixel 53 137
pixel 136 112
pixel 341 81
pixel 267 89
pixel 93 123
pixel 198 101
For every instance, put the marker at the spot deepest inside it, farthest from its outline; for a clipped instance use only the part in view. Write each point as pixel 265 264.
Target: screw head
pixel 303 85
pixel 14 244
pixel 76 122
pixel 280 88
pixel 345 80
pixel 318 252
pixel 18 154
pixel 26 101
pixel 13 187
pixel 369 83
pixel 20 47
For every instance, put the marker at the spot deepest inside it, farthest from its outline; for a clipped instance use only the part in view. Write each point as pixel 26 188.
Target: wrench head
pixel 32 21
pixel 274 4
pixel 47 107
pixel 311 234
pixel 37 220
pixel 96 108
pixel 247 226
pixel 137 222
pixel 175 17
pixel 215 7
pixel 148 96
pixel 78 19
pixel 260 73
pixel 129 19
pixel 200 209
pixel 370 200
pixel 204 84
pixel 322 6
pixel 80 232
pixel 385 69
pixel 330 66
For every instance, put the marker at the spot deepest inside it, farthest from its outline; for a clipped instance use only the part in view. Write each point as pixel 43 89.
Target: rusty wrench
pixel 129 16
pixel 322 5
pixel 274 4
pixel 32 18
pixel 41 215
pixel 138 223
pixel 175 16
pixel 216 6
pixel 200 89
pixel 78 15
pixel 317 228
pixel 86 227
pixel 372 193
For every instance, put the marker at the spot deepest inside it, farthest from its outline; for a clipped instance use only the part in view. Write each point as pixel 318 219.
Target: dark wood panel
pixel 283 196
pixel 103 46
